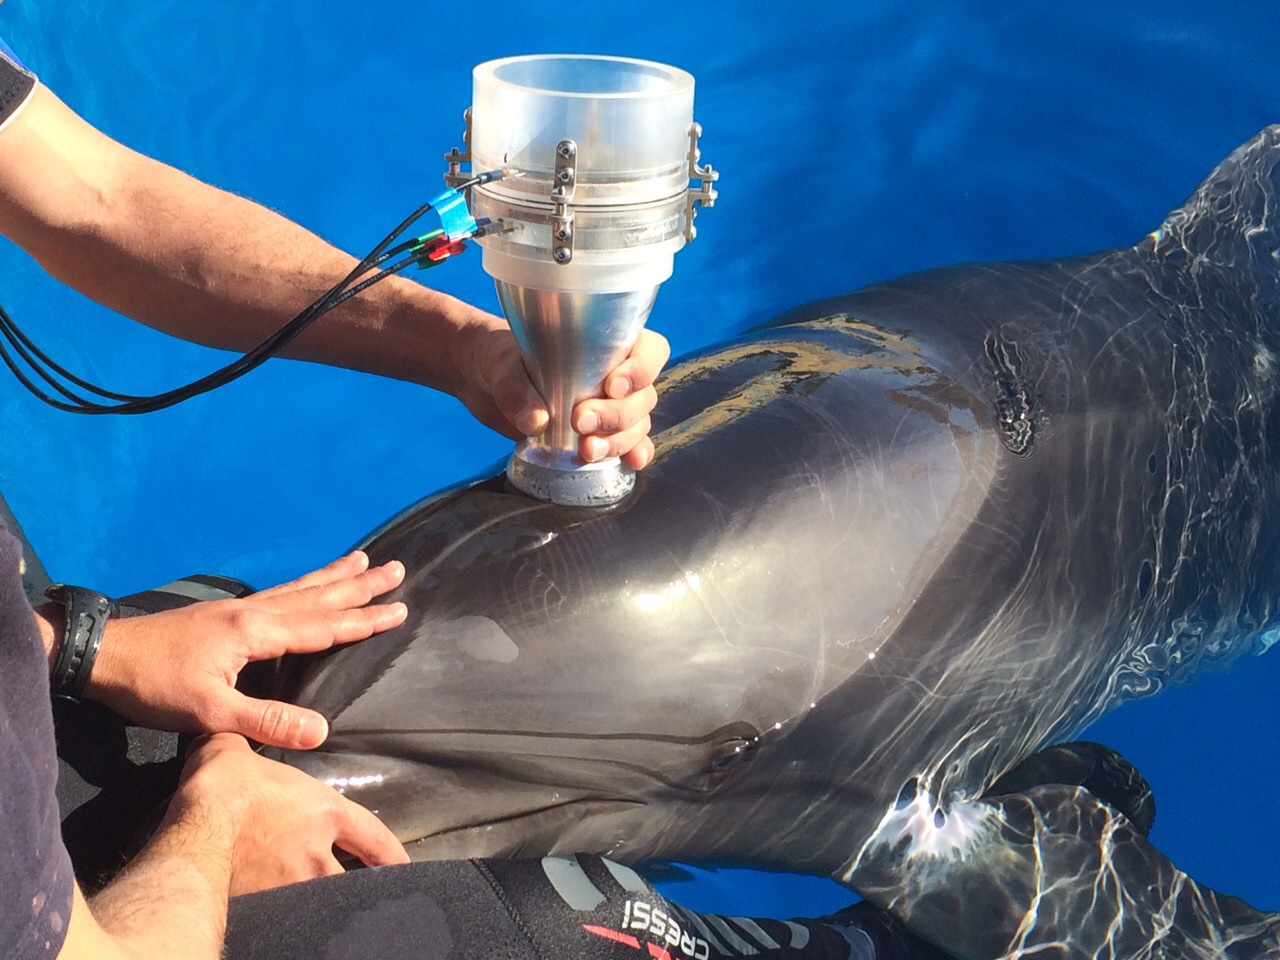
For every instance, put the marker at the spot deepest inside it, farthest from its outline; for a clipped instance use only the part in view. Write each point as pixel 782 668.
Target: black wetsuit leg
pixel 583 907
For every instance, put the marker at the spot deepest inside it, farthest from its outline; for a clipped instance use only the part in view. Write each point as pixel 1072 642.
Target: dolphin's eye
pixel 733 753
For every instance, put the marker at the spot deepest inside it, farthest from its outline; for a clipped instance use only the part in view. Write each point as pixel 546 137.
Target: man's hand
pixel 177 670
pixel 497 390
pixel 286 823
pixel 238 823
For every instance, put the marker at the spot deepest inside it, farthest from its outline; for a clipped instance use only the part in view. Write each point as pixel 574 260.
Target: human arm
pixel 177 670
pixel 171 901
pixel 238 823
pixel 197 262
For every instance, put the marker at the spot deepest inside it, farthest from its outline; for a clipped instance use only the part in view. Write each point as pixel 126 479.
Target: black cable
pixel 224 375
pixel 25 348
pixel 339 293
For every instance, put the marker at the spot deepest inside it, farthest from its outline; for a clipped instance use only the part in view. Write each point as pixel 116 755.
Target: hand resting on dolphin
pixel 889 547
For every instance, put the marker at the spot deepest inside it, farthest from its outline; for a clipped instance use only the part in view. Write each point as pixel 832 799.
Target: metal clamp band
pixel 705 193
pixel 562 191
pixel 456 158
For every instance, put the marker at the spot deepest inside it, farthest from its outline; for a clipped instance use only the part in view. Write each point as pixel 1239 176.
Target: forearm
pixel 208 266
pixel 171 901
pixel 244 274
pixel 205 265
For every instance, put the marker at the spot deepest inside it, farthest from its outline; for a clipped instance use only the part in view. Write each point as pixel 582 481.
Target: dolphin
pixel 890 546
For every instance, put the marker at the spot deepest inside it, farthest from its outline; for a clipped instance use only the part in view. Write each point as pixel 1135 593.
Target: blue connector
pixel 452 205
pixel 455 218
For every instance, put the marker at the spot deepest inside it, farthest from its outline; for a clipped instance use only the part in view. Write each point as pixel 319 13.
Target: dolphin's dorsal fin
pixel 1233 214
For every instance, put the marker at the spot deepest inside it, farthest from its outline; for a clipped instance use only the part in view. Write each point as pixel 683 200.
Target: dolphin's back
pixel 805 483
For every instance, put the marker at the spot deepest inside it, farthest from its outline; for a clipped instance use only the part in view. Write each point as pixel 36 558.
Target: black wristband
pixel 87 614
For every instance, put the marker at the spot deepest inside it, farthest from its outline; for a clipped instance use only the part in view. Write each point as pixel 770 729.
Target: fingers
pixel 641 368
pixel 347 626
pixel 349 593
pixel 629 397
pixel 639 456
pixel 271 722
pixel 612 418
pixel 363 835
pixel 315 590
pixel 619 424
pixel 598 447
pixel 350 565
pixel 316 626
pixel 514 392
pixel 531 417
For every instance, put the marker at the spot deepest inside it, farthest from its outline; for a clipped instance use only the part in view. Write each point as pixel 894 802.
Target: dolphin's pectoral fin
pixel 1051 869
pixel 1102 771
pixel 1099 769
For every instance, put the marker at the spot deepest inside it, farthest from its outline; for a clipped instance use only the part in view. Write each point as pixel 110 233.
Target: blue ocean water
pixel 857 142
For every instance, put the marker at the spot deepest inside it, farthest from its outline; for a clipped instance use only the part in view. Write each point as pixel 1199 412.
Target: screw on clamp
pixel 564 183
pixel 456 158
pixel 705 193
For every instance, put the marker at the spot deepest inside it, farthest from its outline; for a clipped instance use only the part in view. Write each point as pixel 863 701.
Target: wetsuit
pixel 584 908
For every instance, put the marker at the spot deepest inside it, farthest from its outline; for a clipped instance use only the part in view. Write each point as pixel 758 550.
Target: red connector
pixel 440 250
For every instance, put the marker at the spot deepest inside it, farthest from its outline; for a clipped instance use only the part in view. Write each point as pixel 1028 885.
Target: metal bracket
pixel 456 158
pixel 562 191
pixel 565 181
pixel 705 193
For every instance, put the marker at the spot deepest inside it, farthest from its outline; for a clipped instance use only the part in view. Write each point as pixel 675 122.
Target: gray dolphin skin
pixel 890 546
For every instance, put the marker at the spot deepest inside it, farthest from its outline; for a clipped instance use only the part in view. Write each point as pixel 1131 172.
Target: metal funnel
pixel 570 341
pixel 579 241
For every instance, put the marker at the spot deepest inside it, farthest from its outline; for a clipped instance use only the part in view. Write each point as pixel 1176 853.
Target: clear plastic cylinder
pixel 630 121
